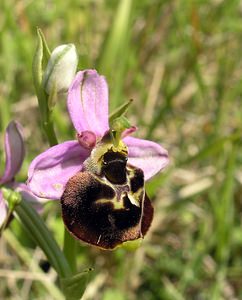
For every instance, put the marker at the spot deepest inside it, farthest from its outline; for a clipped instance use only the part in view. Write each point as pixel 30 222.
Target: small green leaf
pixel 14 200
pixel 6 192
pixel 117 127
pixel 120 111
pixel 73 287
pixel 46 50
pixel 120 124
pixel 12 197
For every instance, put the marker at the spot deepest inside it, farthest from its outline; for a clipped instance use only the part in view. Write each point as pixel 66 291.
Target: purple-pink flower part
pixel 14 151
pixel 88 108
pixel 14 154
pixel 99 180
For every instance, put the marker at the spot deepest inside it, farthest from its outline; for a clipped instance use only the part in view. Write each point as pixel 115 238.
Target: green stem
pixel 41 57
pixel 48 127
pixel 46 117
pixel 38 231
pixel 69 250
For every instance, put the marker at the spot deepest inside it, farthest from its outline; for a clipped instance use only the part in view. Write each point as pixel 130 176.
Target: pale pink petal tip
pixel 88 102
pixel 129 131
pixel 147 155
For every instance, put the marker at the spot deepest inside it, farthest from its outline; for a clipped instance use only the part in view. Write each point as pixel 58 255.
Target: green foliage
pixel 74 287
pixel 181 63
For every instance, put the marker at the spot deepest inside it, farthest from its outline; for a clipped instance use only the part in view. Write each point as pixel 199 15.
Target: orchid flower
pixel 91 165
pixel 14 153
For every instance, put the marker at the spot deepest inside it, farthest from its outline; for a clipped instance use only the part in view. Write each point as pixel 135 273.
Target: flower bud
pixel 61 69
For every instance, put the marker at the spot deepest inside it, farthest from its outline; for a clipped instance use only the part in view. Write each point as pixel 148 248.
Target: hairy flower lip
pixel 95 217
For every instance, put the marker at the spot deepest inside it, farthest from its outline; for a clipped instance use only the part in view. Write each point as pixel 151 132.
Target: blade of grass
pixel 116 39
pixel 23 254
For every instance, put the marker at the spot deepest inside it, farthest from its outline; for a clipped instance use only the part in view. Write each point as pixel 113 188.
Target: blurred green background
pixel 181 62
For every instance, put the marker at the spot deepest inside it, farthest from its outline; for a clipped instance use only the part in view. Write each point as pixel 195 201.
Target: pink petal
pixel 147 155
pixel 50 171
pixel 88 102
pixel 129 131
pixel 3 209
pixel 14 151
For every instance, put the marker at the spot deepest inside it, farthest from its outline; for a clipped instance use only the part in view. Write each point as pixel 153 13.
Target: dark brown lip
pixel 102 214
